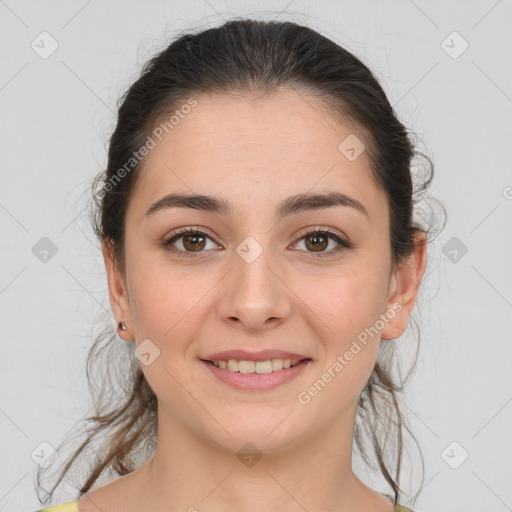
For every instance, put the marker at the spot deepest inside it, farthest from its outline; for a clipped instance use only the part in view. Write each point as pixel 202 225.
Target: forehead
pixel 275 145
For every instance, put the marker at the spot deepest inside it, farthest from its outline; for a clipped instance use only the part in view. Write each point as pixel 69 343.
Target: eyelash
pixel 343 244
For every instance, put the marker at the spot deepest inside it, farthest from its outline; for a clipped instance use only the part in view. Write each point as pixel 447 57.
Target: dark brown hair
pixel 243 56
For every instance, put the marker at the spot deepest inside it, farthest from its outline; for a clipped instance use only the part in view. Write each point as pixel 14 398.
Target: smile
pixel 256 375
pixel 261 367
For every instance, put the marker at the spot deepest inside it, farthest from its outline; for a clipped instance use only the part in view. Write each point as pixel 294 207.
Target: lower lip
pixel 257 381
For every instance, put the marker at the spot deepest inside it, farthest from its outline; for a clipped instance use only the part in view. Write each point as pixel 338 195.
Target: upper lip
pixel 243 355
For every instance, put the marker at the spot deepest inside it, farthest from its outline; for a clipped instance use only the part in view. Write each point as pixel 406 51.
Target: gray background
pixel 58 112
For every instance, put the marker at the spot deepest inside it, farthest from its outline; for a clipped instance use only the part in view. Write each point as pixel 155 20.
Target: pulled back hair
pixel 250 57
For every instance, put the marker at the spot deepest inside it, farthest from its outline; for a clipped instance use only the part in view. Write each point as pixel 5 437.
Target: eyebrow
pixel 292 205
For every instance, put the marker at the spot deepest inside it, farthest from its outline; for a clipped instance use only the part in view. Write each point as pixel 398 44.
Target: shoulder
pixel 70 506
pixel 399 508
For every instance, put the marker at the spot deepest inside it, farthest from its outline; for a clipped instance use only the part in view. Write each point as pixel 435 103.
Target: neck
pixel 187 472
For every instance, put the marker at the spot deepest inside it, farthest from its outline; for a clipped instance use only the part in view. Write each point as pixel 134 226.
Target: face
pixel 311 281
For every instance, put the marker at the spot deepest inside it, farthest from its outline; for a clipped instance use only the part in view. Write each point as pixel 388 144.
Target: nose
pixel 254 296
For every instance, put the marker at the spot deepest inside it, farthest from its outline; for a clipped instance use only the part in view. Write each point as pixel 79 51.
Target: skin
pixel 255 152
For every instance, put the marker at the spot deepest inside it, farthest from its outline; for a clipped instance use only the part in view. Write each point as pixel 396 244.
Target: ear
pixel 118 294
pixel 403 288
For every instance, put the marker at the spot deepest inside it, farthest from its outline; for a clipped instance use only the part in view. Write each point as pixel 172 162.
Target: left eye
pixel 194 241
pixel 319 239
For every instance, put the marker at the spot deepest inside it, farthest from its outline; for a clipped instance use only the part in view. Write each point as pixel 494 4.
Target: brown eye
pixel 317 241
pixel 191 241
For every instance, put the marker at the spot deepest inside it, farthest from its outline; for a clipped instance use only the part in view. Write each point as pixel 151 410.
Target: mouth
pixel 260 367
pixel 256 375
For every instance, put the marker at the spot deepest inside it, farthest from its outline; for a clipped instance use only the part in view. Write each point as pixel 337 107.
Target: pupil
pixel 317 241
pixel 195 240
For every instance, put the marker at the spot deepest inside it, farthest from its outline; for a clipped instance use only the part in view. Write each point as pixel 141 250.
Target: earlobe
pixel 406 280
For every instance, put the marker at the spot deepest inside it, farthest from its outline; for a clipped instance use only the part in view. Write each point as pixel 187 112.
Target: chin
pixel 272 436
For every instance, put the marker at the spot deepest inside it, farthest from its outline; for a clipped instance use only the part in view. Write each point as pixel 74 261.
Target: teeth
pixel 272 365
pixel 277 364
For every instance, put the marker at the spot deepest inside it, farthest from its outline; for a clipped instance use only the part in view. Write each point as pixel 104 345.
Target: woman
pixel 256 221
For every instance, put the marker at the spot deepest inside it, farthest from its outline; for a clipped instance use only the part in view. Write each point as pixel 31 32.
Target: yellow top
pixel 72 506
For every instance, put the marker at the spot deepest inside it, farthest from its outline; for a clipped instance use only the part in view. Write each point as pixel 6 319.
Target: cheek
pixel 167 310
pixel 347 305
pixel 156 295
pixel 347 300
pixel 168 303
pixel 346 310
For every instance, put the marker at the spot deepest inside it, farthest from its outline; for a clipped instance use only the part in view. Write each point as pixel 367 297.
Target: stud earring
pixel 122 326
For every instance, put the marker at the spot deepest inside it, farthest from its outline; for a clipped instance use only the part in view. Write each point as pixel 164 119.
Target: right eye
pixel 192 241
